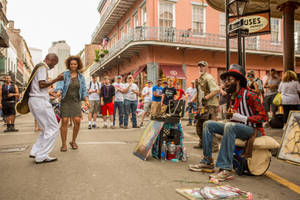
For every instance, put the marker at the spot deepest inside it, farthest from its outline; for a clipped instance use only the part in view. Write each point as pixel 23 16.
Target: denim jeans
pixel 230 132
pixel 120 106
pixel 130 107
pixel 192 107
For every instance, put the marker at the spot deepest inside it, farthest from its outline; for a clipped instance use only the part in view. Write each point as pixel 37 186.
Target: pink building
pixel 157 39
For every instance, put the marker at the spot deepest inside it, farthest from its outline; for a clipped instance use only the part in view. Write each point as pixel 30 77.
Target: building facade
pixel 62 50
pixel 37 55
pixel 166 38
pixel 4 39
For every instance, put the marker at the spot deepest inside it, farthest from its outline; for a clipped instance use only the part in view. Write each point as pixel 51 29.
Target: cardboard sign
pixel 257 23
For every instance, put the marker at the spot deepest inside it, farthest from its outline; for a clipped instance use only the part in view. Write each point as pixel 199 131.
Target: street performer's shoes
pixel 222 175
pixel 206 165
pixel 48 159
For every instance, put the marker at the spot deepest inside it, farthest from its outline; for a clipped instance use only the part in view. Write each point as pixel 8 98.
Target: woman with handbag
pixel 73 91
pixel 289 89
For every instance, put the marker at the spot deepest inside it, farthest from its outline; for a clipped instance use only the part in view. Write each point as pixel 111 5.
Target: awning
pixel 173 71
pixel 138 71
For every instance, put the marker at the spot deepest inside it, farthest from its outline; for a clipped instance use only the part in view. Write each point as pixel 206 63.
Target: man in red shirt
pixel 246 113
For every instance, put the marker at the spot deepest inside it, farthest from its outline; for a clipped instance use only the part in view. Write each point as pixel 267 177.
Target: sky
pixel 44 21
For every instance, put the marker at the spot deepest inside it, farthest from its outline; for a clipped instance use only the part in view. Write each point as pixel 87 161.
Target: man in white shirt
pixel 119 101
pixel 39 104
pixel 191 92
pixel 130 101
pixel 94 100
pixel 147 95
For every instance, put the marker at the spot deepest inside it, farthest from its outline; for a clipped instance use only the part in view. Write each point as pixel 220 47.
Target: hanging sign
pixel 256 23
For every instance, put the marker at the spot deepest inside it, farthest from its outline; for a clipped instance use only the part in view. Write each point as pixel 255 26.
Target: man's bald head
pixel 51 60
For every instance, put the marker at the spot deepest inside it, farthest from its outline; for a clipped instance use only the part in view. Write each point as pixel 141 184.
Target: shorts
pixel 147 107
pixel 8 109
pixel 94 106
pixel 156 109
pixel 107 109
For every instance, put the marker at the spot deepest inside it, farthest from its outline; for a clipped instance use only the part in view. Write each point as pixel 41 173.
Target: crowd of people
pixel 235 108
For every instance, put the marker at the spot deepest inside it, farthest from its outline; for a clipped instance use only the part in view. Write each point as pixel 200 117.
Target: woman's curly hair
pixel 77 59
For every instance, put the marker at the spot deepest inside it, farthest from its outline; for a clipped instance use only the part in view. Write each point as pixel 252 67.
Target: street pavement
pixel 104 167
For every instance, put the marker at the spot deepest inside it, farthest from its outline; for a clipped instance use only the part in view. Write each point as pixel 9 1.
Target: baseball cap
pixel 119 77
pixel 202 63
pixel 165 82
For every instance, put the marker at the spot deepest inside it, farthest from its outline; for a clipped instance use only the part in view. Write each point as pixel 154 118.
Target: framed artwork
pixel 148 138
pixel 290 142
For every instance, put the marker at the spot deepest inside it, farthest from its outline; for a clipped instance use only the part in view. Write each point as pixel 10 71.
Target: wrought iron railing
pixel 104 16
pixel 185 37
pixel 4 38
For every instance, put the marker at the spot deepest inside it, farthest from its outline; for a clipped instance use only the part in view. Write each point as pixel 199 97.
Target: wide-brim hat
pixel 236 71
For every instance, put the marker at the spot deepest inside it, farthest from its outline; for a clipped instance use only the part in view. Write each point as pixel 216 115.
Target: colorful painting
pixel 148 138
pixel 290 143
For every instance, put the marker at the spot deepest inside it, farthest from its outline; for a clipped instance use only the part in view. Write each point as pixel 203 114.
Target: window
pixel 122 32
pixel 297 36
pixel 198 19
pixel 128 26
pixel 135 20
pixel 144 15
pixel 275 30
pixel 222 25
pixel 166 14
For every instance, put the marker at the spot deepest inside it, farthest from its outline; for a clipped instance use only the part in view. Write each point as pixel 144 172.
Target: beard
pixel 231 88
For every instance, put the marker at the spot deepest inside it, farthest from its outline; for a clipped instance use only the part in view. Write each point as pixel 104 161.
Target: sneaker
pixel 121 126
pixel 105 126
pixel 205 165
pixel 222 175
pixel 112 127
pixel 48 159
pixel 136 126
pixel 198 146
pixel 90 127
pixel 125 127
pixel 189 124
pixel 142 124
pixel 94 125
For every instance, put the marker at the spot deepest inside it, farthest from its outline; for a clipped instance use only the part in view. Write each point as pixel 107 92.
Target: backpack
pixel 97 85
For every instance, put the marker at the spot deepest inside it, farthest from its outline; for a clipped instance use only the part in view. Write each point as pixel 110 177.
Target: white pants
pixel 46 119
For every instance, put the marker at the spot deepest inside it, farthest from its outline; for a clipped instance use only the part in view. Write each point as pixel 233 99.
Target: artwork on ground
pixel 148 138
pixel 290 142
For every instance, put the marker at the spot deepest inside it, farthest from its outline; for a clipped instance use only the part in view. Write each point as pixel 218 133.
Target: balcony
pixel 4 40
pixel 134 40
pixel 110 17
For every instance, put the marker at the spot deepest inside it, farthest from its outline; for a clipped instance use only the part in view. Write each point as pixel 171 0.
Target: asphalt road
pixel 104 168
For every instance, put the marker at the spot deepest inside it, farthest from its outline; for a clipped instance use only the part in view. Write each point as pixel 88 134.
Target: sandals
pixel 63 149
pixel 73 145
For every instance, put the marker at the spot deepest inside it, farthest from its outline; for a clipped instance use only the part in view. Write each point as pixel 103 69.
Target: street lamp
pixel 237 7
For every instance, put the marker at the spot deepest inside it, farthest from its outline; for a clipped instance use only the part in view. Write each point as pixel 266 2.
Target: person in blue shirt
pixel 156 100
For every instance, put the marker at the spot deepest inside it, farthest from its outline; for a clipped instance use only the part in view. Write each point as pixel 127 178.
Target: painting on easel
pixel 290 142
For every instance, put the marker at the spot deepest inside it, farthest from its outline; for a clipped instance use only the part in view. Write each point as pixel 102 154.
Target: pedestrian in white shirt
pixel 39 104
pixel 147 95
pixel 191 92
pixel 119 101
pixel 94 101
pixel 289 89
pixel 130 101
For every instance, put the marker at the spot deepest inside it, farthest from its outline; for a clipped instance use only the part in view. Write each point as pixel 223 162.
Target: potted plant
pixel 97 56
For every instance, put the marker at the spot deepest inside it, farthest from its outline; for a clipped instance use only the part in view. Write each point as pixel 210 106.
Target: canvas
pixel 148 138
pixel 290 142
